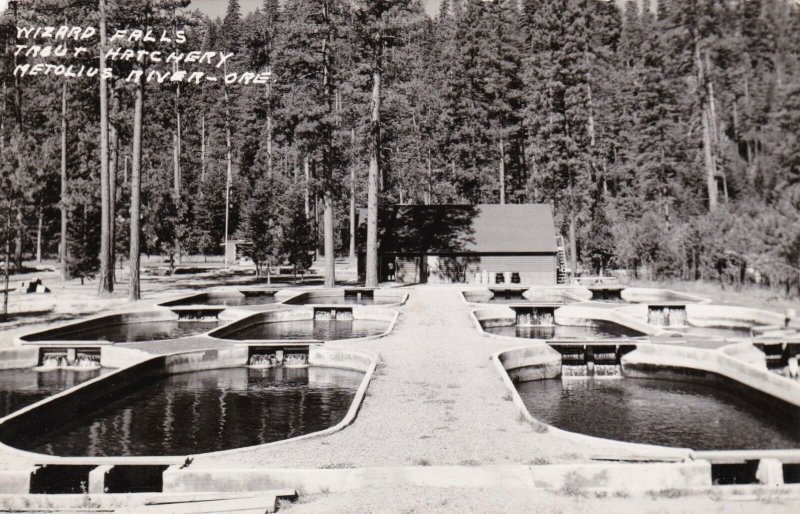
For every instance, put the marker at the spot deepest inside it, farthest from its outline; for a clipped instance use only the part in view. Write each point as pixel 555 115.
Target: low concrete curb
pixel 569 478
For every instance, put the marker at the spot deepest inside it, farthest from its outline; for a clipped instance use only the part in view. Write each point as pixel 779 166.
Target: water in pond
pixel 229 299
pixel 329 330
pixel 342 300
pixel 139 331
pixel 718 332
pixel 602 330
pixel 22 387
pixel 668 413
pixel 206 411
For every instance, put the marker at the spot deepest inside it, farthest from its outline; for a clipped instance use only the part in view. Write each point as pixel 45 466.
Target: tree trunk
pixel 573 246
pixel 203 148
pixel 269 127
pixel 374 170
pixel 711 180
pixel 18 239
pixel 229 161
pixel 63 250
pixel 353 221
pixel 327 155
pixel 106 282
pixel 134 291
pixel 501 145
pixel 307 199
pixel 112 184
pixel 429 192
pixel 6 268
pixel 330 257
pixel 39 237
pixel 177 141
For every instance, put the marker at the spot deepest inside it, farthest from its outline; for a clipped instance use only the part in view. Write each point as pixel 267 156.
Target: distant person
pixel 390 272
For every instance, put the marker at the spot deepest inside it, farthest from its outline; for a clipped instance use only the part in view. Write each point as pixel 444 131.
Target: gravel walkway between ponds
pixel 436 399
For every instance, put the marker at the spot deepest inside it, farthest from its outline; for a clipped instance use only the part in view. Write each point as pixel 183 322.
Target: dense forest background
pixel 666 137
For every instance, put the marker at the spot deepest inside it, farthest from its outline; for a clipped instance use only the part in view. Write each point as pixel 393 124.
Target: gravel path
pixel 436 399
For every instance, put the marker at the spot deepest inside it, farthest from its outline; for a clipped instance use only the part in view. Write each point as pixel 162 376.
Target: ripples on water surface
pixel 668 413
pixel 206 411
pixel 602 330
pixel 22 387
pixel 139 331
pixel 327 330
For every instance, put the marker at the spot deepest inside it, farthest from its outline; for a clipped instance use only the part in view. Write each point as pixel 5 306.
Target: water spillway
pixel 535 316
pixel 270 357
pixel 667 316
pixel 591 359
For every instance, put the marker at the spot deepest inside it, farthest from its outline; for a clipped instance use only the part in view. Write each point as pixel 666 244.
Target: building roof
pixel 443 229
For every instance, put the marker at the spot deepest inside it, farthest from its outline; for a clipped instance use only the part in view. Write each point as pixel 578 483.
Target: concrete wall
pixel 535 362
pixel 15 358
pixel 653 295
pixel 746 353
pixel 16 482
pixel 577 314
pixel 577 478
pixel 649 360
pixel 206 359
pixel 731 316
pixel 121 356
pixel 344 359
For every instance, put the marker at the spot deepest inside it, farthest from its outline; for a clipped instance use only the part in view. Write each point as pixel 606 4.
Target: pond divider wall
pixel 731 316
pixel 19 357
pixel 655 296
pixel 651 360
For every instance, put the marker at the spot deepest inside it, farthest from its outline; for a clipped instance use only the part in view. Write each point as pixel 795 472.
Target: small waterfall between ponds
pixel 536 317
pixel 582 361
pixel 590 370
pixel 198 315
pixel 667 316
pixel 278 358
pixel 333 315
pixel 61 360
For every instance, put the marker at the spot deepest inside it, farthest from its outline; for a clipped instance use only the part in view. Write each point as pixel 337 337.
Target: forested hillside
pixel 667 138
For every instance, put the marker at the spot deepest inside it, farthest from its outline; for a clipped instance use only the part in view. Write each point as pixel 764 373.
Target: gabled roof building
pixel 472 244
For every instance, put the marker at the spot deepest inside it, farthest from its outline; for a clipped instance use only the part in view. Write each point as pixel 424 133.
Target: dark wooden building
pixel 472 244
